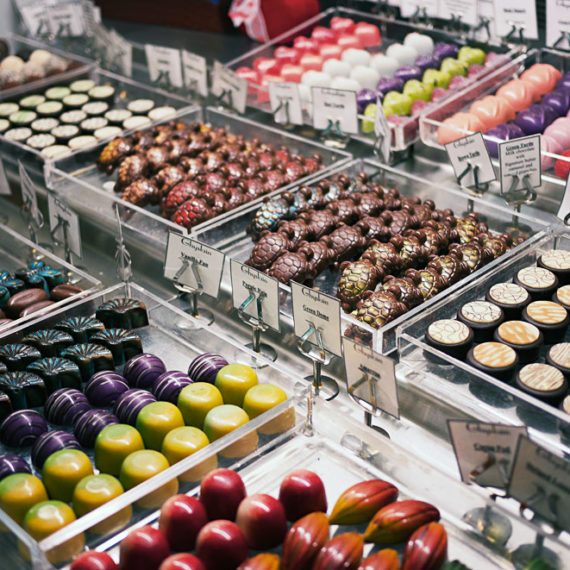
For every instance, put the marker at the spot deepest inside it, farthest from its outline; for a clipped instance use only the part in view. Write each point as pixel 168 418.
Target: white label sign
pixel 520 158
pixel 484 451
pixel 509 13
pixel 164 64
pixel 335 106
pixel 256 290
pixel 371 378
pixel 382 132
pixel 66 20
pixel 313 309
pixel 35 18
pixel 564 209
pixel 470 153
pixel 286 98
pixel 557 23
pixel 193 264
pixel 4 186
pixel 409 8
pixel 467 9
pixel 541 480
pixel 64 223
pixel 195 72
pixel 29 197
pixel 225 81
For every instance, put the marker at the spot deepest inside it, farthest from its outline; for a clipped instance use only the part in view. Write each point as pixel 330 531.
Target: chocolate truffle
pixel 122 343
pixel 57 373
pixel 562 296
pixel 557 261
pixel 18 356
pixel 511 298
pixel 123 313
pixel 130 403
pixel 542 381
pixel 494 358
pixel 169 385
pixel 22 428
pixel 558 356
pixel 482 317
pixel 550 318
pixel 80 328
pixel 90 358
pixel 539 282
pixel 103 388
pixel 65 406
pixel 523 337
pixel 50 442
pixel 450 336
pixel 143 370
pixel 50 342
pixel 11 463
pixel 5 406
pixel 204 368
pixel 25 390
pixel 89 424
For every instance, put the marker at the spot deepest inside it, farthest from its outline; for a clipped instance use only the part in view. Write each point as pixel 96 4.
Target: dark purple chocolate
pixel 25 390
pixel 564 81
pixel 11 463
pixel 442 50
pixel 57 373
pixel 89 424
pixel 169 385
pixel 425 62
pixel 143 370
pixel 558 100
pixel 123 313
pixel 103 388
pixel 364 98
pixel 407 72
pixel 80 328
pixel 535 119
pixel 50 342
pixel 204 368
pixel 50 442
pixel 90 358
pixel 22 428
pixel 65 405
pixel 18 356
pixel 122 343
pixel 387 84
pixel 130 403
pixel 503 132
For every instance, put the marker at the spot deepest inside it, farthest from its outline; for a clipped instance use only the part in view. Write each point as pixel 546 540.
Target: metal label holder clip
pixel 333 135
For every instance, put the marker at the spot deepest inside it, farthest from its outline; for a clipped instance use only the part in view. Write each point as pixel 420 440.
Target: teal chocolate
pixel 18 356
pixel 80 328
pixel 124 313
pixel 4 296
pixel 90 358
pixel 50 342
pixel 53 277
pixel 14 285
pixel 57 373
pixel 122 343
pixel 25 389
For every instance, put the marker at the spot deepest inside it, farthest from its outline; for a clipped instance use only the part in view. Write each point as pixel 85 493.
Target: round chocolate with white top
pixel 50 442
pixel 91 124
pixel 65 405
pixel 73 117
pixel 557 261
pixel 558 355
pixel 562 296
pixel 450 336
pixel 130 403
pixel 49 109
pixel 22 428
pixel 511 298
pixel 482 317
pixel 524 337
pixel 542 381
pixel 109 132
pixel 136 122
pixel 168 386
pixel 41 141
pixel 82 85
pixel 57 93
pixel 161 113
pixel 494 358
pixel 81 142
pixel 88 426
pixel 19 135
pixel 56 151
pixel 44 125
pixel 118 116
pixel 539 282
pixel 23 118
pixel 32 101
pixel 102 92
pixel 64 133
pixel 5 125
pixel 549 317
pixel 95 108
pixel 205 367
pixel 141 106
pixel 143 370
pixel 75 100
pixel 7 109
pixel 103 388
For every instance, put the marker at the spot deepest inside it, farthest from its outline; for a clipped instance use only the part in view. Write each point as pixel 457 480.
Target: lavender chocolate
pixel 122 343
pixel 57 373
pixel 143 370
pixel 103 388
pixel 65 406
pixel 169 385
pixel 130 403
pixel 89 424
pixel 22 428
pixel 204 368
pixel 90 358
pixel 50 442
pixel 50 342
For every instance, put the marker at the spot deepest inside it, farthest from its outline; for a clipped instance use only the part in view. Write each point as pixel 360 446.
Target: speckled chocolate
pixel 22 428
pixel 142 370
pixel 89 424
pixel 123 313
pixel 90 358
pixel 169 385
pixel 103 388
pixel 57 373
pixel 80 328
pixel 122 343
pixel 50 342
pixel 65 405
pixel 25 389
pixel 18 356
pixel 50 442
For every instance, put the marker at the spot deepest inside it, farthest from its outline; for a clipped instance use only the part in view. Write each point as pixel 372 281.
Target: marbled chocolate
pixel 546 312
pixel 481 312
pixel 541 377
pixel 556 259
pixel 536 277
pixel 560 354
pixel 508 294
pixel 448 331
pixel 518 332
pixel 494 354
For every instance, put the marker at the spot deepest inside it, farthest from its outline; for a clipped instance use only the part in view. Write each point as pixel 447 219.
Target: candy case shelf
pixel 16 252
pixel 432 119
pixel 404 134
pixel 475 393
pixel 90 191
pixel 230 236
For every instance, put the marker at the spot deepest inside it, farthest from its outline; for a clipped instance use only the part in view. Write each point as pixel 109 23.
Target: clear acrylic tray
pixel 473 392
pixel 231 237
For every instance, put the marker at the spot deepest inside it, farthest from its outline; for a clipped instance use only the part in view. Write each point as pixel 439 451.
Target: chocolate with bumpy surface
pixel 65 406
pixel 130 403
pixel 80 328
pixel 103 388
pixel 22 428
pixel 123 313
pixel 122 343
pixel 204 368
pixel 169 385
pixel 143 370
pixel 50 442
pixel 11 463
pixel 25 390
pixel 89 424
pixel 50 342
pixel 18 356
pixel 57 373
pixel 90 358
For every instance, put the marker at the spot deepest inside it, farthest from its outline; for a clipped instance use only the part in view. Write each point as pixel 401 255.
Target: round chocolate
pixel 562 296
pixel 542 381
pixel 89 424
pixel 22 428
pixel 57 373
pixel 50 342
pixel 80 328
pixel 103 388
pixel 557 261
pixel 450 336
pixel 50 442
pixel 558 355
pixel 204 368
pixel 143 370
pixel 482 317
pixel 524 337
pixel 169 385
pixel 11 463
pixel 25 389
pixel 122 313
pixel 18 356
pixel 549 317
pixel 64 406
pixel 494 358
pixel 122 343
pixel 90 358
pixel 511 298
pixel 539 282
pixel 130 403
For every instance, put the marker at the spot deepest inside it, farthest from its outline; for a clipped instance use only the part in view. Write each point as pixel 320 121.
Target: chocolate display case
pixel 433 126
pixel 405 132
pixel 231 236
pixel 16 252
pixel 427 370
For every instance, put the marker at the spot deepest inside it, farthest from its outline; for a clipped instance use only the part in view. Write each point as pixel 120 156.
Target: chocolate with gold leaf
pixel 356 278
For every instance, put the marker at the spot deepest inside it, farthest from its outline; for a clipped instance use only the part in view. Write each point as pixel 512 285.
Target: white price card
pixel 4 186
pixel 193 264
pixel 371 378
pixel 64 223
pixel 467 9
pixel 195 72
pixel 254 292
pixel 285 103
pixel 336 106
pixel 467 154
pixel 541 480
pixel 557 23
pixel 35 18
pixel 409 8
pixel 382 132
pixel 66 20
pixel 509 13
pixel 164 64
pixel 564 209
pixel 520 160
pixel 29 195
pixel 320 313
pixel 484 451
pixel 224 82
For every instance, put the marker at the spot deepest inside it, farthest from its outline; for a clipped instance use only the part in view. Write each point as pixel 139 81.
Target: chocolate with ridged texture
pixel 122 343
pixel 18 356
pixel 25 390
pixel 50 342
pixel 169 385
pixel 123 313
pixel 57 373
pixel 11 463
pixel 143 370
pixel 80 328
pixel 20 301
pixel 90 358
pixel 130 403
pixel 205 367
pixel 22 428
pixel 5 406
pixel 103 388
pixel 64 291
pixel 65 406
pixel 50 442
pixel 88 425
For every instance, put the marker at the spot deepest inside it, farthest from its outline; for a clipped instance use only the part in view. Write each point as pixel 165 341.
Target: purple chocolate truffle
pixel 142 370
pixel 442 50
pixel 50 442
pixel 564 81
pixel 22 428
pixel 11 463
pixel 103 388
pixel 535 119
pixel 425 62
pixel 559 100
pixel 130 403
pixel 65 405
pixel 204 368
pixel 503 132
pixel 88 426
pixel 387 84
pixel 407 72
pixel 364 98
pixel 169 385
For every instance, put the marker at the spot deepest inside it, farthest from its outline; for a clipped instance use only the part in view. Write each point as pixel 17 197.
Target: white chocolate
pixel 367 77
pixel 313 78
pixel 422 43
pixel 12 63
pixel 346 84
pixel 354 57
pixel 406 55
pixel 384 65
pixel 336 67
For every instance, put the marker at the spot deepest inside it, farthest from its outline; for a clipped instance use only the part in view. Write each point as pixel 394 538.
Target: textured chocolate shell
pixel 123 343
pixel 57 373
pixel 18 356
pixel 90 358
pixel 123 313
pixel 80 328
pixel 50 342
pixel 25 389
